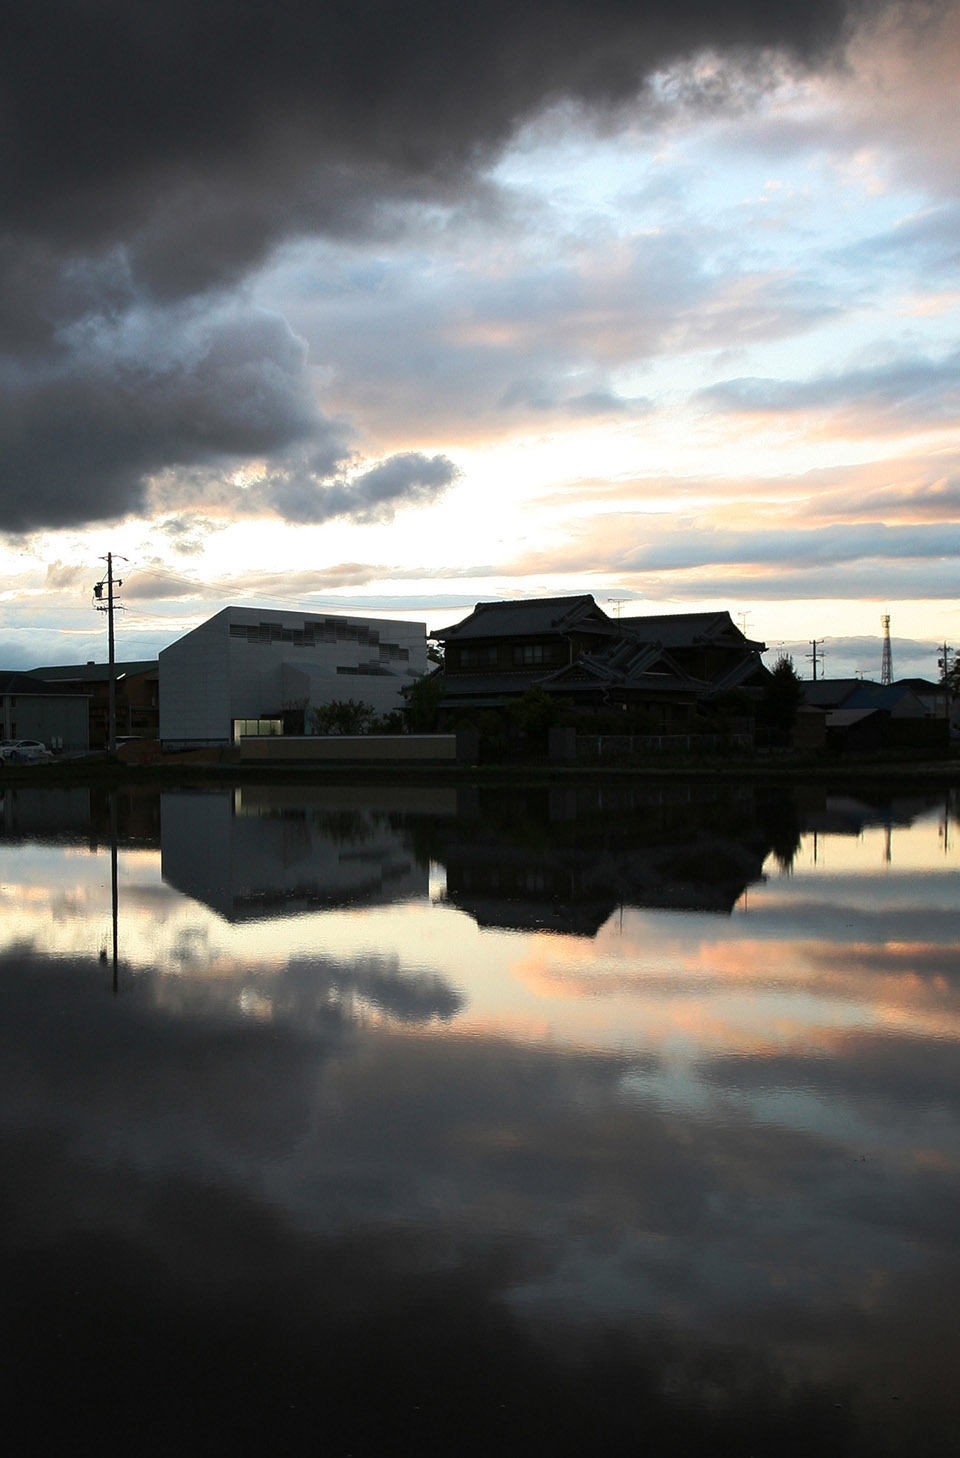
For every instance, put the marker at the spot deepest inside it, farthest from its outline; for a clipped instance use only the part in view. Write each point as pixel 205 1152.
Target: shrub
pixel 342 716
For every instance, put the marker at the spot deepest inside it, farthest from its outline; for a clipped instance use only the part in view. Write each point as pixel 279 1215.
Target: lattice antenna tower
pixel 886 665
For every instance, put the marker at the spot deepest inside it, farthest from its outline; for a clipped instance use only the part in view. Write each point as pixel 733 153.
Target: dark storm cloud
pixel 112 110
pixel 409 478
pixel 119 400
pixel 153 154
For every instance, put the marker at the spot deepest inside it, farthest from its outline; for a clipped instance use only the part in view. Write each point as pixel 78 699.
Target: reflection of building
pixel 252 671
pixel 576 892
pixel 571 649
pixel 565 859
pixel 54 713
pixel 44 814
pixel 252 854
pixel 136 696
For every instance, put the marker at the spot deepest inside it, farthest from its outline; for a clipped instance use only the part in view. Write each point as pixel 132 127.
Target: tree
pixel 534 714
pixel 342 716
pixel 423 703
pixel 782 696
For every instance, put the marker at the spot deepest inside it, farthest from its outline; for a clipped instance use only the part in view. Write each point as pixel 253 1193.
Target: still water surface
pixel 456 1121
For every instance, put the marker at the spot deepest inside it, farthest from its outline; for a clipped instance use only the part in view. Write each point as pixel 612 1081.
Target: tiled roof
pixel 627 665
pixel 532 616
pixel 683 630
pixel 492 686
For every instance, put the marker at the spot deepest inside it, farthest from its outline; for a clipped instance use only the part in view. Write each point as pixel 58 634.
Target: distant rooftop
pixel 14 681
pixel 93 672
pixel 829 693
pixel 878 696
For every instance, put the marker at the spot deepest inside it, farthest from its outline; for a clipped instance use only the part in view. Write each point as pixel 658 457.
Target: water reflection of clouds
pixel 612 1195
pixel 777 1209
pixel 795 967
pixel 718 1135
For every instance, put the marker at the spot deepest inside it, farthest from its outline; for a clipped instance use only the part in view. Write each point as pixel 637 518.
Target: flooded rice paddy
pixel 567 1120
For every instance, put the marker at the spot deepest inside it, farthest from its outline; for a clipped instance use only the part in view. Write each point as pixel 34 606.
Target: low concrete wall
pixel 607 748
pixel 350 748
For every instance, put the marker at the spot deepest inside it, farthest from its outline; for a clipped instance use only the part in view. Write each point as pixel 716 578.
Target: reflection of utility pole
pixel 114 900
pixel 888 843
pixel 108 607
pixel 114 896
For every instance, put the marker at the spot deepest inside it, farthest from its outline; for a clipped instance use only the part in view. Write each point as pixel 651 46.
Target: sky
pixel 395 307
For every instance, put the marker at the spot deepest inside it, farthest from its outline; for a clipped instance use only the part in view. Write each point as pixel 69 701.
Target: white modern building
pixel 253 671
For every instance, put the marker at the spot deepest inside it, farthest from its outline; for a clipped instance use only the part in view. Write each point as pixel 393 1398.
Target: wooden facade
pixel 570 649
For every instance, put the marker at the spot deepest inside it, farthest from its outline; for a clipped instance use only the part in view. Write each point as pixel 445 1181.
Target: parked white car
pixel 23 751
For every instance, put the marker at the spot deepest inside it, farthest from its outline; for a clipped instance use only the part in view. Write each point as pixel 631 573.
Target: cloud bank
pixel 155 155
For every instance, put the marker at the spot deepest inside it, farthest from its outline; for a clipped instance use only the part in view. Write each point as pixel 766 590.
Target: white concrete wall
pixel 212 676
pixel 195 685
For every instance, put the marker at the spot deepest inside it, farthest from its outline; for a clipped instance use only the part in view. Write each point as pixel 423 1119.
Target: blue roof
pixel 879 696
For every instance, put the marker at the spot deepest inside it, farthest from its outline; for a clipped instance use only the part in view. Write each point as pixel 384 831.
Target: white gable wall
pixel 195 685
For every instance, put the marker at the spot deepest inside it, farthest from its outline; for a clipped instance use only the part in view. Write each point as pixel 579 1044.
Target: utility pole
pixel 886 663
pixel 815 655
pixel 619 601
pixel 943 663
pixel 108 607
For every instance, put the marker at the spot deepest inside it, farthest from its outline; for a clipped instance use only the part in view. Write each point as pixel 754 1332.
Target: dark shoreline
pixel 882 771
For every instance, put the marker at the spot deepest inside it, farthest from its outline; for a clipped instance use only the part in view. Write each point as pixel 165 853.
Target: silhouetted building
pixel 56 714
pixel 570 648
pixel 137 696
